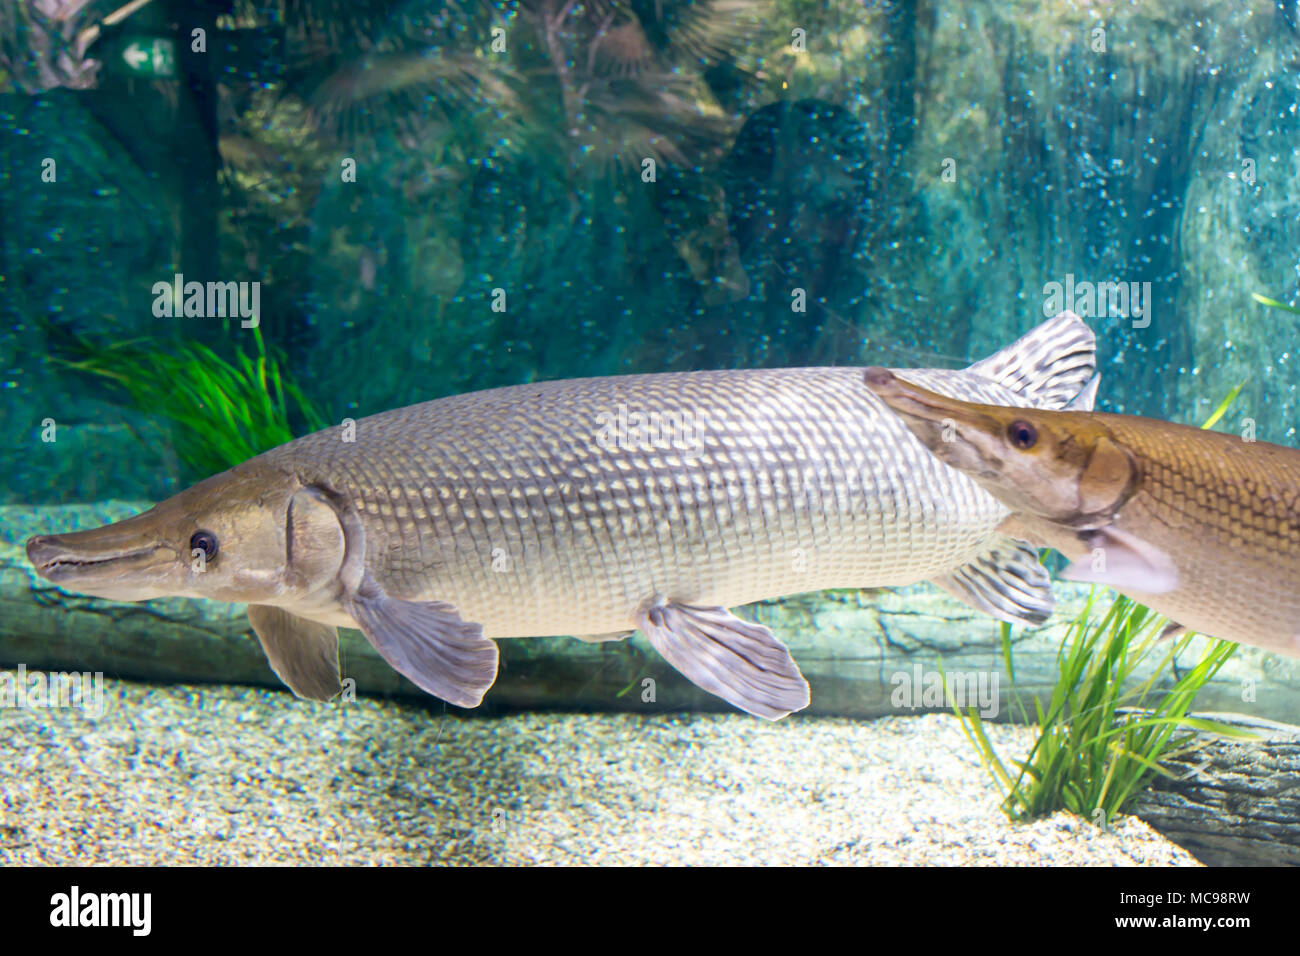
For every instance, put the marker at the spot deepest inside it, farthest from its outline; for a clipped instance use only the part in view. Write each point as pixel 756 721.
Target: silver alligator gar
pixel 591 507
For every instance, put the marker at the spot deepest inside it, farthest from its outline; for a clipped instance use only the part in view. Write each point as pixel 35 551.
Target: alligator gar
pixel 589 507
pixel 1201 526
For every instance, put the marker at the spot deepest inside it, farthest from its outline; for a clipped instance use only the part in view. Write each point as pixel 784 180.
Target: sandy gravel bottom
pixel 228 775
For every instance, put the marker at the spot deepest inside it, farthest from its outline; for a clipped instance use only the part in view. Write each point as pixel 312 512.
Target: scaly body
pixel 591 507
pixel 512 506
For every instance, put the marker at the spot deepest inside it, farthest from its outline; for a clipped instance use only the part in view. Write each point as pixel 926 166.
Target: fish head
pixel 1063 467
pixel 227 538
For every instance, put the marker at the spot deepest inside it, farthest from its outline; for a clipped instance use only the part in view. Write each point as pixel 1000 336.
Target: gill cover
pixel 1108 478
pixel 305 654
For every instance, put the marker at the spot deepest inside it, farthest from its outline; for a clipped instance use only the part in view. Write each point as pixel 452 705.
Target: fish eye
pixel 204 541
pixel 1023 435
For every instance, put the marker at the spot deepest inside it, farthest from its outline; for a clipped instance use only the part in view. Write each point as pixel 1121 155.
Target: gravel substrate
pixel 229 775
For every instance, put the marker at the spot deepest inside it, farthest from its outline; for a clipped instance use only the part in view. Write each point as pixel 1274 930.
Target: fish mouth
pixel 83 557
pixel 960 434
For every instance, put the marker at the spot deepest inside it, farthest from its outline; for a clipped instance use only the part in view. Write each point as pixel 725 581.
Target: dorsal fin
pixel 1084 401
pixel 1050 365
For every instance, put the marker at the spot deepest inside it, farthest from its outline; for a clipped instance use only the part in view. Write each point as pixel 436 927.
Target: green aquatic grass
pixel 1274 303
pixel 1099 744
pixel 220 412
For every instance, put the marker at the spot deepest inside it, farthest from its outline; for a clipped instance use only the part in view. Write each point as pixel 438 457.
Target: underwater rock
pixel 864 653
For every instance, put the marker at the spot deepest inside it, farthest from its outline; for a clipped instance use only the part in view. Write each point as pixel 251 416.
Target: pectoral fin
pixel 428 643
pixel 740 661
pixel 1125 562
pixel 1006 581
pixel 303 654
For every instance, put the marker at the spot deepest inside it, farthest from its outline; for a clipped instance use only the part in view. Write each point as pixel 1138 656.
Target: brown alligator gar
pixel 589 507
pixel 1201 526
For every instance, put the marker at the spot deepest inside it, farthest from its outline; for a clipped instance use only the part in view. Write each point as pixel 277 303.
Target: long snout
pixel 116 560
pixel 932 417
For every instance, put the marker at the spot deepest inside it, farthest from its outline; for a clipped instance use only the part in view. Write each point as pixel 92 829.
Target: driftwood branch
pixel 1232 802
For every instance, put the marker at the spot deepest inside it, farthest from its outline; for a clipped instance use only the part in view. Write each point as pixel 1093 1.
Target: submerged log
pixel 1232 802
